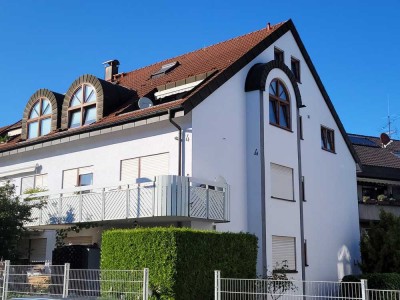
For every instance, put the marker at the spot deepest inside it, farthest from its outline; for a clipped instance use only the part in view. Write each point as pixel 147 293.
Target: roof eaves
pixel 97 126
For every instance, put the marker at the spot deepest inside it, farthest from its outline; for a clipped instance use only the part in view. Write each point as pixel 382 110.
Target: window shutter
pixel 281 182
pixel 85 170
pixel 27 183
pixel 129 170
pixel 284 249
pixel 70 179
pixel 38 250
pixel 78 240
pixel 154 165
pixel 41 181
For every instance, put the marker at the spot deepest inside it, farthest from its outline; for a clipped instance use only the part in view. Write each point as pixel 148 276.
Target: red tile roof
pixel 215 58
pixel 374 154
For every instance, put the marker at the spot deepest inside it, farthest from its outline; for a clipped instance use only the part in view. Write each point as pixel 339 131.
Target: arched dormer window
pixel 39 122
pixel 82 107
pixel 279 105
pixel 42 114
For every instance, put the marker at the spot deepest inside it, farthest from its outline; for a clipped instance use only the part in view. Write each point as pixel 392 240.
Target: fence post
pixel 6 275
pixel 363 289
pixel 66 280
pixel 217 284
pixel 145 283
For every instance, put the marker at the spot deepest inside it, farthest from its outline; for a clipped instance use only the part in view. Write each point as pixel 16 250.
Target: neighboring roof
pixel 376 160
pixel 220 61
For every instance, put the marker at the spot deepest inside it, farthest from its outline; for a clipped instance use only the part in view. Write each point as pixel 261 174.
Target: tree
pixel 13 214
pixel 380 245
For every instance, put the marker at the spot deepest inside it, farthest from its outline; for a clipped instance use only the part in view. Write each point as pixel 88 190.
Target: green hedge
pixel 381 281
pixel 181 261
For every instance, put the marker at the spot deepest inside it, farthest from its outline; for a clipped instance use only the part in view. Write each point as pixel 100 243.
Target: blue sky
pixel 355 45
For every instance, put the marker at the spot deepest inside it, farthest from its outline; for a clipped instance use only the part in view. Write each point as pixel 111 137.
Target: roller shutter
pixel 281 182
pixel 284 249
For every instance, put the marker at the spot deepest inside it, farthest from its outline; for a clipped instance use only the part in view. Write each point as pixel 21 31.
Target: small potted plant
pixel 366 199
pixel 382 198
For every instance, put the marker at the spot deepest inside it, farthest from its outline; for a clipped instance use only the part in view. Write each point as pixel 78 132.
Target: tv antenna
pixel 388 128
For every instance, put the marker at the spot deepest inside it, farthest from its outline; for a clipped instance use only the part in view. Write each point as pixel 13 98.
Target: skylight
pixel 165 69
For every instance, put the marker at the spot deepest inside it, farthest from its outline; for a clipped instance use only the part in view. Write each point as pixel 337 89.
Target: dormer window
pixel 82 108
pixel 39 121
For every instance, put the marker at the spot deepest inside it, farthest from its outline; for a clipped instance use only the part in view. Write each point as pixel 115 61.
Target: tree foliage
pixel 13 214
pixel 380 245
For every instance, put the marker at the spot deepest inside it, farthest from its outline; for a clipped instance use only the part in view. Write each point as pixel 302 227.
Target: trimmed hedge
pixel 381 281
pixel 181 261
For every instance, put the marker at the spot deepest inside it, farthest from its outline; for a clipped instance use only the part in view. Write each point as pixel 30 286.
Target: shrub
pixel 181 262
pixel 381 281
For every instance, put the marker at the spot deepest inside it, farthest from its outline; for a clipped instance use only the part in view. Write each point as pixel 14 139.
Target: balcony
pixel 369 211
pixel 168 198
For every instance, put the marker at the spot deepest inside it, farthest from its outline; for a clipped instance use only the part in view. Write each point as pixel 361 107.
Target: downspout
pixel 263 205
pixel 301 201
pixel 179 140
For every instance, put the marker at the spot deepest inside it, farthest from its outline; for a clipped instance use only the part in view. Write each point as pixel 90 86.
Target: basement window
pixel 165 69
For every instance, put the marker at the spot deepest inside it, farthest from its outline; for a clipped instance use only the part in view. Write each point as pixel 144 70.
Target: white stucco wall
pixel 223 146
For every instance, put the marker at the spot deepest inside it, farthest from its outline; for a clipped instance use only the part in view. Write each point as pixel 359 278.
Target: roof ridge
pixel 272 28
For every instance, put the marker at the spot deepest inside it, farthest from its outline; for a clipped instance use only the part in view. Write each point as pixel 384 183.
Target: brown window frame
pixel 83 107
pixel 280 102
pixel 40 118
pixel 295 67
pixel 328 139
pixel 279 55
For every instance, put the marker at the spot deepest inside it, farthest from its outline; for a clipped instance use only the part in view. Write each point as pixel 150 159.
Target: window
pixel 33 182
pixel 37 250
pixel 281 182
pixel 284 251
pixel 295 63
pixel 327 139
pixel 144 167
pixel 279 55
pixel 82 108
pixel 77 177
pixel 39 121
pixel 279 105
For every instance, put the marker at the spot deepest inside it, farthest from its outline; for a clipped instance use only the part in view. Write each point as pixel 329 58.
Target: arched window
pixel 82 107
pixel 39 121
pixel 279 104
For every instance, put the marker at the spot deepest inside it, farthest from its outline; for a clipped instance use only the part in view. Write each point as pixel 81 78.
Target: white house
pixel 244 129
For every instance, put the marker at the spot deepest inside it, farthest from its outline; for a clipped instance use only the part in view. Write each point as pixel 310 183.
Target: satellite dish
pixel 385 139
pixel 145 102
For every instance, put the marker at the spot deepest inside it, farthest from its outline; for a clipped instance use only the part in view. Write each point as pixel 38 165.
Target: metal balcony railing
pixel 166 196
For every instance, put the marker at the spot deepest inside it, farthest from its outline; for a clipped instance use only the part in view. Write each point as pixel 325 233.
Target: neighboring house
pixel 378 185
pixel 246 124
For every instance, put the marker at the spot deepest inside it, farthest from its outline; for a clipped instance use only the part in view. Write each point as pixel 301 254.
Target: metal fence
pixel 58 282
pixel 372 294
pixel 260 289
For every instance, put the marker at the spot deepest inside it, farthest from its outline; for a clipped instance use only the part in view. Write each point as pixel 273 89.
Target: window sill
pixel 327 150
pixel 285 272
pixel 277 198
pixel 281 127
